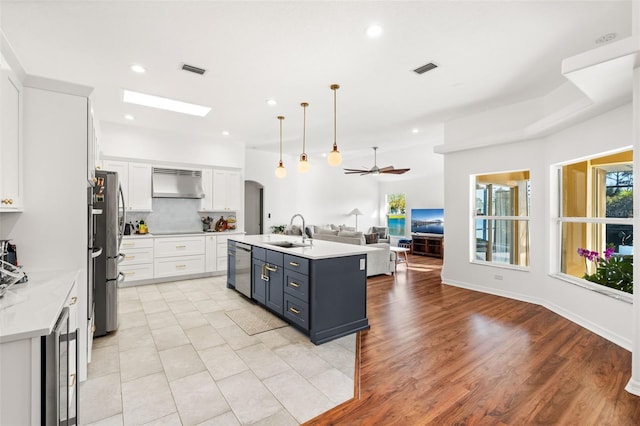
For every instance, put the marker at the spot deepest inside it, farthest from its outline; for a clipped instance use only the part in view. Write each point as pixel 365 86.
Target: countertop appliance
pixel 243 268
pixel 109 229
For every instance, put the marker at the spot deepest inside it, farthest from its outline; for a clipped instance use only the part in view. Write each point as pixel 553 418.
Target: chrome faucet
pixel 304 234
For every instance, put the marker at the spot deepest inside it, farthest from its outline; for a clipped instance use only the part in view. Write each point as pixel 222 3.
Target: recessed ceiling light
pixel 138 68
pixel 606 38
pixel 225 133
pixel 271 102
pixel 415 131
pixel 164 103
pixel 129 117
pixel 374 31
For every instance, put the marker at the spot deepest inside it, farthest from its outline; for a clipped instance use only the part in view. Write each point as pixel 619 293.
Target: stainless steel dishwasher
pixel 243 268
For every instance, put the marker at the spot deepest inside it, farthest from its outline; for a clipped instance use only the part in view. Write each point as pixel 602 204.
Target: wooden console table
pixel 428 245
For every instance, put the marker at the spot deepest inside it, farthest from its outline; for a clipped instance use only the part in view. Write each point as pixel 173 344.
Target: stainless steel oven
pixel 59 398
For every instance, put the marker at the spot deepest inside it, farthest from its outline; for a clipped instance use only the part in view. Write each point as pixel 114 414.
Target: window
pixel 501 218
pixel 396 214
pixel 595 221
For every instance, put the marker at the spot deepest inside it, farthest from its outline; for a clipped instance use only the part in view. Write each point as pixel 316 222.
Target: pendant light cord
pixel 280 118
pixel 334 87
pixel 304 127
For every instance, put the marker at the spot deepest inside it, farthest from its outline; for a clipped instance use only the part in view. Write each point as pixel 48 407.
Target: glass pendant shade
pixel 281 172
pixel 303 164
pixel 334 158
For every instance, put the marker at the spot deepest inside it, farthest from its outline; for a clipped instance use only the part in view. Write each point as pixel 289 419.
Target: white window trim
pixel 607 291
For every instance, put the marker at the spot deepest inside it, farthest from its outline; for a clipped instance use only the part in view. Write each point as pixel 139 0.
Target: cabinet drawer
pixel 296 284
pixel 137 256
pixel 296 311
pixel 137 272
pixel 295 263
pixel 275 257
pixel 181 246
pixel 130 243
pixel 181 265
pixel 222 239
pixel 259 253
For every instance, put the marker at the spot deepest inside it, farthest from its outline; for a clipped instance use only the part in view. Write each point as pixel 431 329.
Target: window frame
pixel 558 220
pixel 475 217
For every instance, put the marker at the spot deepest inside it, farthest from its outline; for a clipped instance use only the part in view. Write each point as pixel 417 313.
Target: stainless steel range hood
pixel 177 183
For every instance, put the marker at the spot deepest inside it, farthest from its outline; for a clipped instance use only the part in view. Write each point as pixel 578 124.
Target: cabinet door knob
pixel 74 299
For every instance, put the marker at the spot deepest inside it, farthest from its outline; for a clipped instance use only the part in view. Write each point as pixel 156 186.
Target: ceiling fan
pixel 375 170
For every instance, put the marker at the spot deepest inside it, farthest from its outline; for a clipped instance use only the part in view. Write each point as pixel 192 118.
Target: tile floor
pixel 177 359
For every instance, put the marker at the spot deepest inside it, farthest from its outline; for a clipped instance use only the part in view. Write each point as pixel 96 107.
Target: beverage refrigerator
pixel 108 212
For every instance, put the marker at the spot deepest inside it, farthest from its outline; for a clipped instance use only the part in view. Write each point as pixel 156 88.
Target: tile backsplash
pixel 171 215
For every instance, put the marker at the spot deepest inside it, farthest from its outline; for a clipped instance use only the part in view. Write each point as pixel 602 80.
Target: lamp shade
pixel 355 212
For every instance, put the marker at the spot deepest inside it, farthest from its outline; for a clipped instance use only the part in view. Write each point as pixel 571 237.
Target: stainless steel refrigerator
pixel 109 228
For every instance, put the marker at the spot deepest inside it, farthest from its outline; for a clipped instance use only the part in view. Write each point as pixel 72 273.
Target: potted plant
pixel 278 229
pixel 611 270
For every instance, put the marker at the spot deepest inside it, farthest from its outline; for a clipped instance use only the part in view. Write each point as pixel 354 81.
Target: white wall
pixel 604 315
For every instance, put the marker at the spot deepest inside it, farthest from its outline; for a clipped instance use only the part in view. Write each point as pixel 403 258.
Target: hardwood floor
pixel 437 354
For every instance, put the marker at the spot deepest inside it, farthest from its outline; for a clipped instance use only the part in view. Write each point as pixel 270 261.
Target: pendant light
pixel 281 172
pixel 303 164
pixel 334 158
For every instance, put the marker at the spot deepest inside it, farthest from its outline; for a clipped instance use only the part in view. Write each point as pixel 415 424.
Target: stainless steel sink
pixel 287 244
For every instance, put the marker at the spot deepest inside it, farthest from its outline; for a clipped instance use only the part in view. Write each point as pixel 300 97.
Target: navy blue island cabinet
pixel 323 297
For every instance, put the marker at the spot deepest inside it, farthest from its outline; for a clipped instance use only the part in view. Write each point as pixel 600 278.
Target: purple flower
pixel 609 252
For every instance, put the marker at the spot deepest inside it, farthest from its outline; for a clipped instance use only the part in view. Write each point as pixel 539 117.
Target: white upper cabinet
pixel 207 184
pixel 227 190
pixel 135 179
pixel 140 187
pixel 11 155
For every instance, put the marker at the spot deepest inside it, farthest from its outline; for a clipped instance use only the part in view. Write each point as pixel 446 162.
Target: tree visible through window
pixel 396 214
pixel 595 220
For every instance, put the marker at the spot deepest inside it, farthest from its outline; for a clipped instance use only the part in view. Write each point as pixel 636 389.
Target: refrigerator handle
pixel 121 277
pixel 96 252
pixel 124 217
pixel 120 257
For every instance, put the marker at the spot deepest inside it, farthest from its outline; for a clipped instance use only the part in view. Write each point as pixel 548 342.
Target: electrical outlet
pixel 498 277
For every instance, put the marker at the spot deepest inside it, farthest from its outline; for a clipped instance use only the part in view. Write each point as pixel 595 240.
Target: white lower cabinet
pixel 138 258
pixel 221 255
pixel 211 259
pixel 178 256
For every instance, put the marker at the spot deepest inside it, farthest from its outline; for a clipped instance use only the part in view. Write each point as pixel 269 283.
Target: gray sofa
pixel 381 261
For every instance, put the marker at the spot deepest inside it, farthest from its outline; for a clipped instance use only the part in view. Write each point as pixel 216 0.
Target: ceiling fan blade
pixel 386 169
pixel 351 171
pixel 395 171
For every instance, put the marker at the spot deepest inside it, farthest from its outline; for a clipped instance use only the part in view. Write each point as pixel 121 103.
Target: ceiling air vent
pixel 425 68
pixel 193 69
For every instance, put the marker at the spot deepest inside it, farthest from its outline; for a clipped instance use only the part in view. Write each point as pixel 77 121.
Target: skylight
pixel 164 103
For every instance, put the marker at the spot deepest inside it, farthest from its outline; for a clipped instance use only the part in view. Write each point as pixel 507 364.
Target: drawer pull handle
pixel 74 299
pixel 296 264
pixel 271 268
pixel 180 246
pixel 294 310
pixel 73 380
pixel 130 273
pixel 128 244
pixel 129 257
pixel 294 284
pixel 181 266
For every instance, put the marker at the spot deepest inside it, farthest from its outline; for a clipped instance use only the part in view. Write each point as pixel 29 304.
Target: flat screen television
pixel 427 221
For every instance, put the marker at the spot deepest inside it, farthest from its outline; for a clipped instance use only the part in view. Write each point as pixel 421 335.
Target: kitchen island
pixel 320 287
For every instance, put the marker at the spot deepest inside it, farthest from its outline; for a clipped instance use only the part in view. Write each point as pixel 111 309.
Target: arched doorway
pixel 253 207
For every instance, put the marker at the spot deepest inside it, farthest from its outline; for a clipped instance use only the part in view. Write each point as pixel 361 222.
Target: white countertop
pixel 180 234
pixel 318 250
pixel 31 309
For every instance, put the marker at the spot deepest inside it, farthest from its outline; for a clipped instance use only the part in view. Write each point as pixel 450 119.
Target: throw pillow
pixel 371 238
pixel 347 228
pixel 381 231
